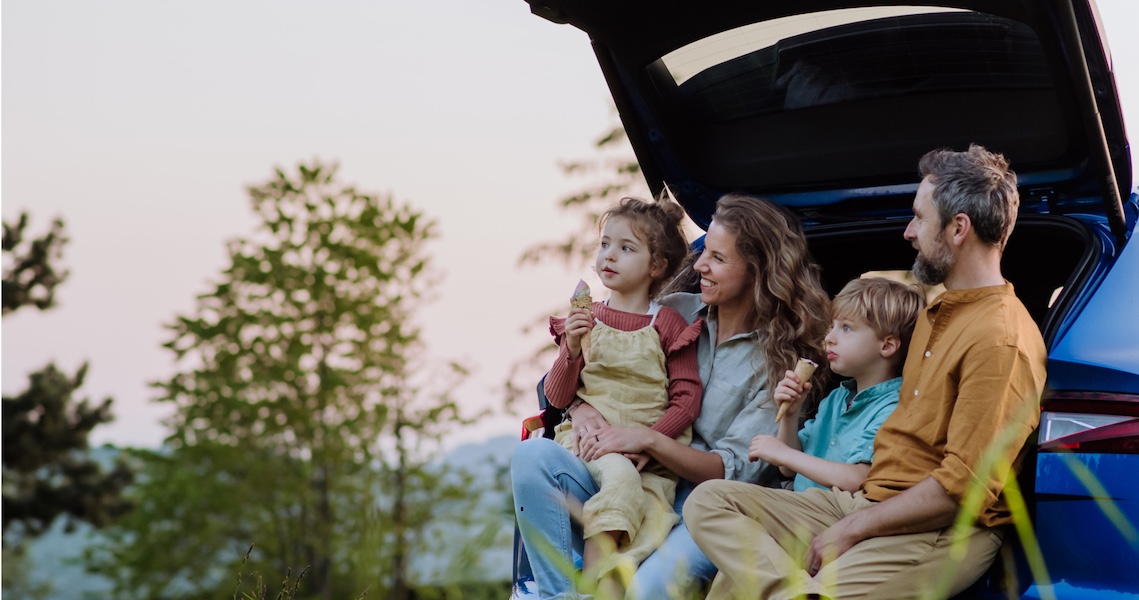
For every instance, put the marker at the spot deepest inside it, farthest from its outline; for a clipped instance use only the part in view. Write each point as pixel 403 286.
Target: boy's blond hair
pixel 889 307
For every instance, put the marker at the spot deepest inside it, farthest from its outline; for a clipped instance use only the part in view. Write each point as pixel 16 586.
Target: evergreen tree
pixel 304 412
pixel 29 270
pixel 48 469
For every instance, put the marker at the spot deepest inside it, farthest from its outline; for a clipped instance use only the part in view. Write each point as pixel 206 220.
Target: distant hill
pixel 478 455
pixel 487 554
pixel 56 557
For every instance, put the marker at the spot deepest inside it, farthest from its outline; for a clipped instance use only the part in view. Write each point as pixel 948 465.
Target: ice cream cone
pixel 804 369
pixel 582 299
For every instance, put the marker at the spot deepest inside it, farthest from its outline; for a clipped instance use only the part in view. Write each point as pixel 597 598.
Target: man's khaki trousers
pixel 759 536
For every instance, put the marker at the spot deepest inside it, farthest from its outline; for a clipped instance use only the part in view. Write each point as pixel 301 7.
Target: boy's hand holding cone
pixel 803 370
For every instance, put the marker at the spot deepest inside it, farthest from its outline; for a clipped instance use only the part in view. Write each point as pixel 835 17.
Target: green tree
pixel 305 411
pixel 48 469
pixel 29 270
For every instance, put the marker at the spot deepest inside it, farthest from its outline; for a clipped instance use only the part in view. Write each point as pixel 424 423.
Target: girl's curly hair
pixel 660 225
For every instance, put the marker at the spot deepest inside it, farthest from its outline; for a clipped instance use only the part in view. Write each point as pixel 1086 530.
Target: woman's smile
pixel 724 278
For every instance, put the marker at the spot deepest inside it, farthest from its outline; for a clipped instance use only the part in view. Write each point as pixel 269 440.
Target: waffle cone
pixel 804 369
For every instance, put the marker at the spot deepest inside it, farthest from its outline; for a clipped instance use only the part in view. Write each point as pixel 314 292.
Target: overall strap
pixel 654 310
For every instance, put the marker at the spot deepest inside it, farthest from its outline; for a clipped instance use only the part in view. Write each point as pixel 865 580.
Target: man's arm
pixel 924 507
pixel 996 408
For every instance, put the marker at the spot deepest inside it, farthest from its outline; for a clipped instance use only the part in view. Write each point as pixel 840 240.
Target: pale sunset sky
pixel 140 123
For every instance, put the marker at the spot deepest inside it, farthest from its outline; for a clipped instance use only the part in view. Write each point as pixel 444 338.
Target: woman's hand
pixel 615 438
pixel 586 420
pixel 768 448
pixel 579 323
pixel 790 391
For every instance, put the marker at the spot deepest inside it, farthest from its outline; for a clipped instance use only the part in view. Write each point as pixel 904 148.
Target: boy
pixel 874 318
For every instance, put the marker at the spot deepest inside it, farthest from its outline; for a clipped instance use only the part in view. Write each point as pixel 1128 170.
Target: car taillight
pixel 1090 422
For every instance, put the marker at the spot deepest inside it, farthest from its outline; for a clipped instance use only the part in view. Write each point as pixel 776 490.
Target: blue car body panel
pixel 1087 522
pixel 1100 351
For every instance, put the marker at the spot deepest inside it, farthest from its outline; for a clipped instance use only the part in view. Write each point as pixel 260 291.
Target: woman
pixel 764 307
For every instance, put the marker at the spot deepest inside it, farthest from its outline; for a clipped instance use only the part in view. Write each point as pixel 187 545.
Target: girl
pixel 641 370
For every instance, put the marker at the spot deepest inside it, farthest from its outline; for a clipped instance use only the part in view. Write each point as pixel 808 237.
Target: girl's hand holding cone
pixel 579 323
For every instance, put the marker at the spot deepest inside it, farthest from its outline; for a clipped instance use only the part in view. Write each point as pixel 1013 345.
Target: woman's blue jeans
pixel 546 478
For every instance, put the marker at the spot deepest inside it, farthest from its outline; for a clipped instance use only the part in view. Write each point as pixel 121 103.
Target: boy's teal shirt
pixel 847 435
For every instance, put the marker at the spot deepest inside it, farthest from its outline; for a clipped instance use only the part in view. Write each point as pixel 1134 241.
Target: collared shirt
pixel 846 435
pixel 735 407
pixel 970 394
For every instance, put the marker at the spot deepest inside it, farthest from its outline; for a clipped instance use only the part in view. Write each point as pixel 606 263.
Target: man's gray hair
pixel 977 183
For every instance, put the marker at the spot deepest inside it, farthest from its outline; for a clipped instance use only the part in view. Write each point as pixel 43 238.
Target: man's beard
pixel 932 269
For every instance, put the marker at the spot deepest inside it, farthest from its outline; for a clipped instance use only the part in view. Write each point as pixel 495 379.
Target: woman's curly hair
pixel 792 311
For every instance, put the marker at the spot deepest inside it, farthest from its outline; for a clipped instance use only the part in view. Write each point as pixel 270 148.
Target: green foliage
pixel 18 583
pixel 304 415
pixel 30 277
pixel 48 471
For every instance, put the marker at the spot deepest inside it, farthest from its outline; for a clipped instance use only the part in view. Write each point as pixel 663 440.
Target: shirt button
pixel 832 442
pixel 927 353
pixel 915 392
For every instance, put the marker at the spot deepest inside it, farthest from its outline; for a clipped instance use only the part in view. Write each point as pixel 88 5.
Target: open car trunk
pixel 1046 256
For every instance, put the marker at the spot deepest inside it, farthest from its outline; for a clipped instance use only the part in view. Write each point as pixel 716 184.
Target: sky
pixel 141 122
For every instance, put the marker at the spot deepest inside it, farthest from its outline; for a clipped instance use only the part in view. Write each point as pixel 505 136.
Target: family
pixel 681 466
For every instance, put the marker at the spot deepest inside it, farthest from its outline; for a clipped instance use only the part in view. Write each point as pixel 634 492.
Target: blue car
pixel 825 106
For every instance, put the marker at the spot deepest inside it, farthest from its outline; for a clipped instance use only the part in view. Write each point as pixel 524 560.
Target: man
pixel 969 400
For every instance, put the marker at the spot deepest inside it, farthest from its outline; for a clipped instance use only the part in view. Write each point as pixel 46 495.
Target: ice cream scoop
pixel 582 299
